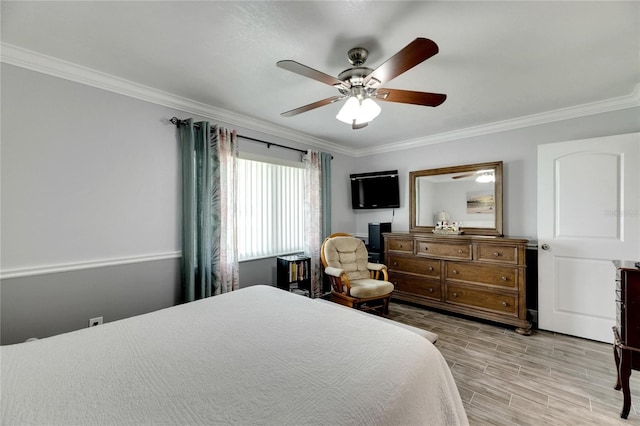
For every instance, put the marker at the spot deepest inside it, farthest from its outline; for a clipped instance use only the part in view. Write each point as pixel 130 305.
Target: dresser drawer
pixel 506 304
pixel 400 245
pixel 486 273
pixel 445 250
pixel 416 285
pixel 428 267
pixel 497 253
pixel 503 276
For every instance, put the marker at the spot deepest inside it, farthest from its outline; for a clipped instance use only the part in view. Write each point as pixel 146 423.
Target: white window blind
pixel 270 209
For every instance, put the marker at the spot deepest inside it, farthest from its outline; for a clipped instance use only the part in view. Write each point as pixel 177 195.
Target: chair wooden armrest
pixel 375 269
pixel 339 279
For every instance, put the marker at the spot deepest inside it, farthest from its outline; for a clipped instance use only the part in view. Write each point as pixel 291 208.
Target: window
pixel 270 211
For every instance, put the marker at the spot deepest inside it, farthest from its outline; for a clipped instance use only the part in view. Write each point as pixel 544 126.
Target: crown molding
pixel 623 102
pixel 24 58
pixel 34 61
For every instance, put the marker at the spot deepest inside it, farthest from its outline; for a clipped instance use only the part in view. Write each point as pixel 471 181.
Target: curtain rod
pixel 177 122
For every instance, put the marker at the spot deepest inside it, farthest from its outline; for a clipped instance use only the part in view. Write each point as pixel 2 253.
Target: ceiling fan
pixel 484 176
pixel 361 85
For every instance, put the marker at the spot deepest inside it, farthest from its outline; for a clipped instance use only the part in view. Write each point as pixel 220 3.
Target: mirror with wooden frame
pixel 469 195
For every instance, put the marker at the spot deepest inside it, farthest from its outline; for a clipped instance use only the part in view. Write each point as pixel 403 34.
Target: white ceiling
pixel 499 61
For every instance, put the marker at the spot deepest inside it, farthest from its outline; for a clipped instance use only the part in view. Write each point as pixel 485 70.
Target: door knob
pixel 545 246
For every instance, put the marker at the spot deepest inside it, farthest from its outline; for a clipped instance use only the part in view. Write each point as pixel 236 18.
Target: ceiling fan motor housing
pixel 357 56
pixel 354 76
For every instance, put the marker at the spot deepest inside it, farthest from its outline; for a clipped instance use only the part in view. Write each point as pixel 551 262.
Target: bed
pixel 259 355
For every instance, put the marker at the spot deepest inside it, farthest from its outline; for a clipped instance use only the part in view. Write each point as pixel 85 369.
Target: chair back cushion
pixel 347 253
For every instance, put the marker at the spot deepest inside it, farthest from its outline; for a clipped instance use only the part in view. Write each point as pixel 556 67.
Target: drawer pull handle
pixel 395 263
pixel 505 304
pixel 430 290
pixel 455 272
pixel 431 268
pixel 426 248
pixel 400 245
pixel 496 254
pixel 455 294
pixel 460 251
pixel 505 278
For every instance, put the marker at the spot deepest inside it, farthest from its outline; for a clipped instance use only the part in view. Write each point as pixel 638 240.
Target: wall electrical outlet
pixel 95 321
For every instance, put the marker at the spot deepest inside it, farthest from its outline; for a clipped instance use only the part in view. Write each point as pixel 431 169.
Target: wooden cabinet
pixel 626 348
pixel 483 277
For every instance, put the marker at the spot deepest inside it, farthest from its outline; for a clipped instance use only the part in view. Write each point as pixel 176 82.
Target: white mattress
pixel 255 356
pixel 432 337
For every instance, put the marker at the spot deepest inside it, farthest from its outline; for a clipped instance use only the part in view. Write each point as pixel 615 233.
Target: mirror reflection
pixel 462 199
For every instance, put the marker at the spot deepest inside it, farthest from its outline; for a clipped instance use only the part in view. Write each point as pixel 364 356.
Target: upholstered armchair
pixel 355 282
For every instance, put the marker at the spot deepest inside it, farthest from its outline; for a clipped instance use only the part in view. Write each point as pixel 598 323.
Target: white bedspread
pixel 255 356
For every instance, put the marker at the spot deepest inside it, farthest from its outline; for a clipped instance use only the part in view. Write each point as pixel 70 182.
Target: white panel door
pixel 588 215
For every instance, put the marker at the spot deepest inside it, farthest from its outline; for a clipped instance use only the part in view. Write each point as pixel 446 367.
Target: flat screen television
pixel 376 190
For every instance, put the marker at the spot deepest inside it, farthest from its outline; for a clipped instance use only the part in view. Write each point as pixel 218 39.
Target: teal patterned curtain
pixel 197 185
pixel 317 212
pixel 208 199
pixel 325 193
pixel 225 212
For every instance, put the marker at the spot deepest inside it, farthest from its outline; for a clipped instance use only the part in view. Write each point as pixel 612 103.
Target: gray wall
pixel 90 208
pixel 49 304
pixel 90 198
pixel 516 148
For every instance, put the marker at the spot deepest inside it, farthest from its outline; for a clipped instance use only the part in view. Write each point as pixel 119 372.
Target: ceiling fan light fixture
pixel 369 110
pixel 348 110
pixel 355 110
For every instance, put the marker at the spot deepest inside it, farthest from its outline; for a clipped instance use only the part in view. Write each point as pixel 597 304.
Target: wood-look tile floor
pixel 543 379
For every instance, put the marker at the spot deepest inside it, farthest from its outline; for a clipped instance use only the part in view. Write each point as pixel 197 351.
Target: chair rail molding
pixel 76 266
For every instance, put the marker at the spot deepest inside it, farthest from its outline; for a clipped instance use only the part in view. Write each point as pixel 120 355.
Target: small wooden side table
pixel 626 333
pixel 294 272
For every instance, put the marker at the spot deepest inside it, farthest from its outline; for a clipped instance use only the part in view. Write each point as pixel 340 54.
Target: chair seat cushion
pixel 368 287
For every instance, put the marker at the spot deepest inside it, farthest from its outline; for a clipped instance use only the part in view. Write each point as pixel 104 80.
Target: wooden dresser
pixel 626 347
pixel 483 277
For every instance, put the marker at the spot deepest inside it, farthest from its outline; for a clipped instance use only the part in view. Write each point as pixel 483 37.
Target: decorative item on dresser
pixel 479 276
pixel 626 346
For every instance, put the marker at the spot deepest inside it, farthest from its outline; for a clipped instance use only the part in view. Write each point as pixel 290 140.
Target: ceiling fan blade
pixel 410 97
pixel 306 71
pixel 355 126
pixel 314 105
pixel 411 55
pixel 462 176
